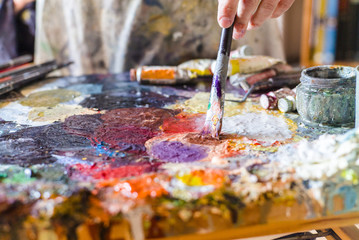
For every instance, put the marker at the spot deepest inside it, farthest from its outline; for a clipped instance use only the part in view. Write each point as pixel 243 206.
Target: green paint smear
pixel 49 98
pixel 20 177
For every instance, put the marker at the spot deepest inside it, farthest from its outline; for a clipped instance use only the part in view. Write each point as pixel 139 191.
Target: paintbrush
pixel 22 78
pixel 213 123
pixel 22 70
pixel 16 62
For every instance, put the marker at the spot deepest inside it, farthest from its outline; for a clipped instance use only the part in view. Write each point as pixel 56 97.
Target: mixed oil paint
pixel 101 157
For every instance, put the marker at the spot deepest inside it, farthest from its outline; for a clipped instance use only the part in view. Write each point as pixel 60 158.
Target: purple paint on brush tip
pixel 217 85
pixel 177 152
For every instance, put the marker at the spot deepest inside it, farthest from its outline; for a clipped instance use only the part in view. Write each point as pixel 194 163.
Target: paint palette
pixel 100 157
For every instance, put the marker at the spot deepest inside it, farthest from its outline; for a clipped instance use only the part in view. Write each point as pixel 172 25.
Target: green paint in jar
pixel 326 96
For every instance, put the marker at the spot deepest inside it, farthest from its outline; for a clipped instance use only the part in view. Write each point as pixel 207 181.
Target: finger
pixel 226 11
pixel 264 11
pixel 282 7
pixel 246 8
pixel 239 29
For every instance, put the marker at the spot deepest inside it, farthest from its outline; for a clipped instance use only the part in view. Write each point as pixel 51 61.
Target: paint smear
pixel 260 126
pixel 128 129
pixel 184 123
pixel 178 152
pixel 86 88
pixel 202 177
pixel 83 125
pixel 125 137
pixel 49 98
pixel 142 187
pixel 57 113
pixel 105 172
pixel 199 103
pixel 142 117
pixel 128 99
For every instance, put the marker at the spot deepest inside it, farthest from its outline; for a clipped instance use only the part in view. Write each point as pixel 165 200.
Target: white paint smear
pixel 260 126
pixel 322 158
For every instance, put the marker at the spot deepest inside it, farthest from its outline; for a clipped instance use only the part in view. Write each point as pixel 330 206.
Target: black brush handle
pixel 226 40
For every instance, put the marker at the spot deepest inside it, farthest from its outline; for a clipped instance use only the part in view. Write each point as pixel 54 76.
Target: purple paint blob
pixel 177 152
pixel 217 85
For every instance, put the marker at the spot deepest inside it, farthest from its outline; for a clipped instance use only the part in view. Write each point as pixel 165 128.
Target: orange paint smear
pixel 140 188
pixel 214 177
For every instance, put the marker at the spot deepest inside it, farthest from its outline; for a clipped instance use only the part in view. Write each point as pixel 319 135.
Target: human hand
pixel 250 13
pixel 20 4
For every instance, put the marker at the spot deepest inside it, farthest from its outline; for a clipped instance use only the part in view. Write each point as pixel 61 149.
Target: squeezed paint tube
pixel 271 100
pixel 249 64
pixel 161 75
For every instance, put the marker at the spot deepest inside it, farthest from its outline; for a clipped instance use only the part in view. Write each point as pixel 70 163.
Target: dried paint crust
pixel 138 169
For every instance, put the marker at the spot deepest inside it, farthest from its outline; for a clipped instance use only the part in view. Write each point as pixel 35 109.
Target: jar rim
pixel 329 75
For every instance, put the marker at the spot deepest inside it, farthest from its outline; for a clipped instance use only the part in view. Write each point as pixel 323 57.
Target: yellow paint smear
pixel 49 98
pixel 58 113
pixel 3 104
pixel 199 103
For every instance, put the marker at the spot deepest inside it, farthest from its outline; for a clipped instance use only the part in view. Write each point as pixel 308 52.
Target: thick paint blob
pixel 262 127
pixel 49 98
pixel 178 152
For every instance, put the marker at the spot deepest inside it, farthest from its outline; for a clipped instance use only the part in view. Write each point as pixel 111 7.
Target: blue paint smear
pixel 102 148
pixel 86 88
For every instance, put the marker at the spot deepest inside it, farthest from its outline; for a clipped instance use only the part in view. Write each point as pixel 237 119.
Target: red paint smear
pixel 125 137
pixel 184 123
pixel 125 133
pixel 127 129
pixel 106 172
pixel 141 117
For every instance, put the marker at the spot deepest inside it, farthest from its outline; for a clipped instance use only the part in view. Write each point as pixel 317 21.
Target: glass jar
pixel 326 96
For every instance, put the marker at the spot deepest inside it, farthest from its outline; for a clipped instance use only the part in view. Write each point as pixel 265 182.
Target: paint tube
pixel 246 80
pixel 202 67
pixel 161 75
pixel 287 104
pixel 271 100
pixel 249 64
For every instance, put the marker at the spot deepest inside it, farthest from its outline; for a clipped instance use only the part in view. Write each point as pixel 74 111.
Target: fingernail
pixel 225 22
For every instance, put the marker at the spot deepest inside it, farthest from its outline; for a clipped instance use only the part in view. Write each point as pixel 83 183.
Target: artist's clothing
pixel 115 35
pixel 17 31
pixel 7 31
